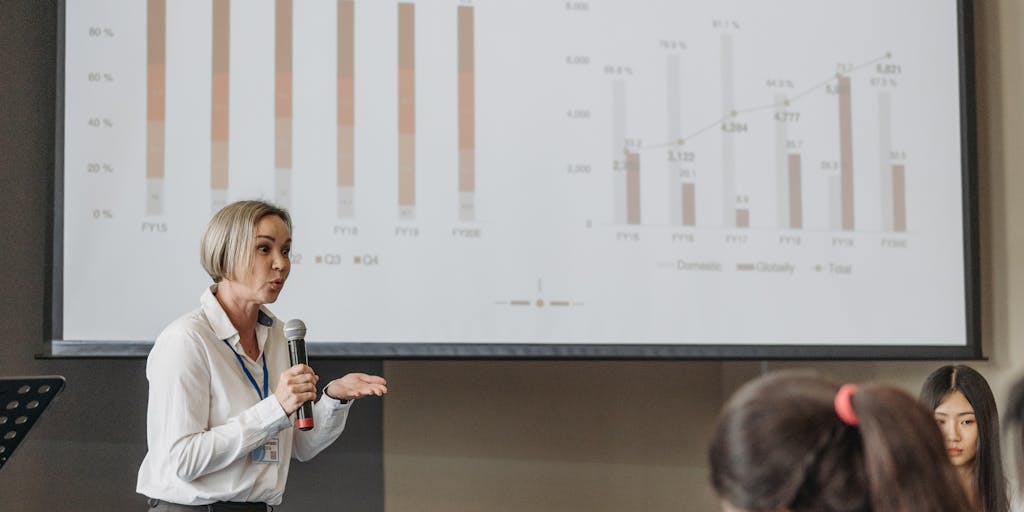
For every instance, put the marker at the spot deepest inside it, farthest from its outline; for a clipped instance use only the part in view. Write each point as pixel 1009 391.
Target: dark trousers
pixel 221 506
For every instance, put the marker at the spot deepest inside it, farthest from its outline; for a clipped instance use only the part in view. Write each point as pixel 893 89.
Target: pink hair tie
pixel 844 405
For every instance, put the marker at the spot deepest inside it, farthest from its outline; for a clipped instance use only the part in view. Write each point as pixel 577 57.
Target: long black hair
pixel 1015 421
pixel 989 481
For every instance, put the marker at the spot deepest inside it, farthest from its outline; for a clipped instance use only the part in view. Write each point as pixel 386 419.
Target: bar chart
pixel 734 124
pixel 283 121
pixel 156 84
pixel 406 111
pixel 346 109
pixel 626 172
pixel 220 104
pixel 674 164
pixel 283 100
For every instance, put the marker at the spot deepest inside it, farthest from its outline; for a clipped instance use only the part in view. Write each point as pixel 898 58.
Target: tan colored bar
pixel 742 218
pixel 283 84
pixel 156 86
pixel 346 155
pixel 796 205
pixel 899 198
pixel 406 101
pixel 219 170
pixel 846 152
pixel 220 94
pixel 154 145
pixel 406 105
pixel 632 187
pixel 467 101
pixel 406 169
pixel 467 175
pixel 346 93
pixel 283 143
pixel 155 150
pixel 689 204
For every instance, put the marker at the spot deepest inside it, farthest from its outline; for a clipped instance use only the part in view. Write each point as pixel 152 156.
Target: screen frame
pixel 57 347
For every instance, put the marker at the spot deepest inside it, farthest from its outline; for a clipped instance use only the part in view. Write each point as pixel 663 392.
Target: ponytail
pixel 780 444
pixel 906 465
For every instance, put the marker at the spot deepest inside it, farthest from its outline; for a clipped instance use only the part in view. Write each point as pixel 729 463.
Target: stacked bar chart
pixel 673 165
pixel 619 153
pixel 156 85
pixel 788 165
pixel 683 191
pixel 731 214
pixel 846 153
pixel 885 166
pixel 733 120
pixel 893 179
pixel 346 109
pixel 220 104
pixel 283 102
pixel 674 131
pixel 467 116
pixel 406 111
pixel 626 162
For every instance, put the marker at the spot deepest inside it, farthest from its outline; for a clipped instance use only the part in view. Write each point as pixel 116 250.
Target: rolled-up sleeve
pixel 329 417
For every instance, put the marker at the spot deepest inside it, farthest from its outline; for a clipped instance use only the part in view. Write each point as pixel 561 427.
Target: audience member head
pixel 791 441
pixel 966 413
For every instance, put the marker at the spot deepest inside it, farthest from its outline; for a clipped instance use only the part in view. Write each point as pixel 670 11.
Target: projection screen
pixel 530 178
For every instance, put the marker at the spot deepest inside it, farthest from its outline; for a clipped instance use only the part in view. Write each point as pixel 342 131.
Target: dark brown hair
pixel 1015 421
pixel 779 445
pixel 988 463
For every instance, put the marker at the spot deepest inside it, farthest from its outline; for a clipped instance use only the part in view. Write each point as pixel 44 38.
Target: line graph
pixel 733 122
pixel 680 164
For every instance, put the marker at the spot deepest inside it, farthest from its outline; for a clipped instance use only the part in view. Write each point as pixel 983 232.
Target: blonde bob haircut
pixel 227 244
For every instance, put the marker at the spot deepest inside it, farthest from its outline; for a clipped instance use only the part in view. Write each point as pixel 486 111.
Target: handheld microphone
pixel 295 331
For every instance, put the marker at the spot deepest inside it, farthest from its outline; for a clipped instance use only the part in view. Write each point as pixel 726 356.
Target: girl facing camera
pixel 966 413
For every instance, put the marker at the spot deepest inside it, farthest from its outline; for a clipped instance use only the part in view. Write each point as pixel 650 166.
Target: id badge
pixel 267 452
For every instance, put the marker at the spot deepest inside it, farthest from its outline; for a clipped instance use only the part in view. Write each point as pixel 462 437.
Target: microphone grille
pixel 294 329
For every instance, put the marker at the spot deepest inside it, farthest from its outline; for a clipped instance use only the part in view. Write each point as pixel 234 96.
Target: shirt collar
pixel 222 326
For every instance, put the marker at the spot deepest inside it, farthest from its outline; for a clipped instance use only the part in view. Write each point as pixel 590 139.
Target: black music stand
pixel 22 402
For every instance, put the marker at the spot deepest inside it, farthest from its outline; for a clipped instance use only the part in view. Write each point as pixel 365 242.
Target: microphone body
pixel 295 332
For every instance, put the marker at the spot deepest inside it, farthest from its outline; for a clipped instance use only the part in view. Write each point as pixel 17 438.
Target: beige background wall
pixel 457 436
pixel 548 436
pixel 612 436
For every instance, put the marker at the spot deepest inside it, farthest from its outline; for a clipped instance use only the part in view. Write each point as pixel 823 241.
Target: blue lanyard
pixel 252 379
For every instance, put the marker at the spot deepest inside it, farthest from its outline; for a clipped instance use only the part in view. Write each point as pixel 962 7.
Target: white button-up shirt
pixel 205 417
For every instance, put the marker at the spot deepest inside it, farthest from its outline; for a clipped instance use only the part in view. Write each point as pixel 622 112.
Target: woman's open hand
pixel 355 385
